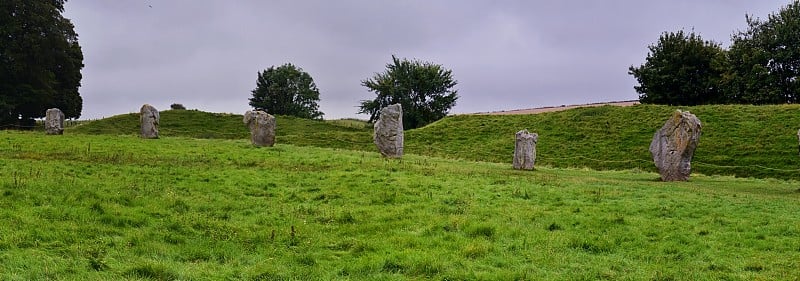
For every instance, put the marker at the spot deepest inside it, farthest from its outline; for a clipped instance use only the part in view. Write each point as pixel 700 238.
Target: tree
pixel 40 61
pixel 681 69
pixel 424 90
pixel 286 90
pixel 764 60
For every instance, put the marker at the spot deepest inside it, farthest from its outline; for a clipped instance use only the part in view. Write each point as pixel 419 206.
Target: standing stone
pixel 525 150
pixel 389 131
pixel 54 122
pixel 262 127
pixel 673 146
pixel 149 118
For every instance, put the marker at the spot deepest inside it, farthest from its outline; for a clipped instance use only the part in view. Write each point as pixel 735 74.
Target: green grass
pixel 351 123
pixel 740 140
pixel 746 141
pixel 103 207
pixel 346 134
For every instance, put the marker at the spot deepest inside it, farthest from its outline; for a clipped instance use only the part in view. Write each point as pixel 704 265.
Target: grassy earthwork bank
pixel 111 207
pixel 740 140
pixel 346 134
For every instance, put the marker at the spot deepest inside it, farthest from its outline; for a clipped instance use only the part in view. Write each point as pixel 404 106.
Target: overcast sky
pixel 505 55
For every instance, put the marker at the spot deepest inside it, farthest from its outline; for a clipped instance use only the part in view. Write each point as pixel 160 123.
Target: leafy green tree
pixel 680 70
pixel 764 60
pixel 424 90
pixel 286 90
pixel 40 61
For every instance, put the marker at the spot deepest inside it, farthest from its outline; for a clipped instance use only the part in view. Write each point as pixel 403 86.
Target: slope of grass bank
pixel 346 134
pixel 101 207
pixel 746 141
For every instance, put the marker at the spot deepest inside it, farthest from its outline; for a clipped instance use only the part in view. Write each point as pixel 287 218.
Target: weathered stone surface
pixel 388 134
pixel 674 144
pixel 149 118
pixel 525 150
pixel 54 122
pixel 262 127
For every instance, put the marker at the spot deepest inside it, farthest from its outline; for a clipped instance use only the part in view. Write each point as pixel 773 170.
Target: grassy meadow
pixel 739 140
pixel 116 207
pixel 345 133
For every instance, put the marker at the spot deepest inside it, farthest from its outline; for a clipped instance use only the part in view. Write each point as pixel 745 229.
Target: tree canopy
pixel 764 60
pixel 679 70
pixel 423 89
pixel 286 90
pixel 762 65
pixel 40 61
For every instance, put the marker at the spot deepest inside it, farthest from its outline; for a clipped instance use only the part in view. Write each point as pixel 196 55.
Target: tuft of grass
pixel 392 266
pixel 483 231
pixel 592 246
pixel 152 272
pixel 754 267
pixel 268 276
pixel 476 250
pixel 554 227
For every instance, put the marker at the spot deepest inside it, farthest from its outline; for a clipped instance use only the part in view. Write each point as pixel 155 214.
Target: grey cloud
pixel 505 54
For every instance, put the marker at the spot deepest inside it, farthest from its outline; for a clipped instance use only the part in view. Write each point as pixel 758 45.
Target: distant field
pixel 537 110
pixel 109 207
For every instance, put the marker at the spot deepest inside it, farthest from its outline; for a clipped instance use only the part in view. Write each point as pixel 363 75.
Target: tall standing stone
pixel 674 144
pixel 262 127
pixel 525 150
pixel 798 139
pixel 54 122
pixel 389 131
pixel 149 118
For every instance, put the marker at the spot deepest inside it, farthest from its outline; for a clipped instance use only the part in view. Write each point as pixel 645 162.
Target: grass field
pixel 740 140
pixel 109 207
pixel 345 134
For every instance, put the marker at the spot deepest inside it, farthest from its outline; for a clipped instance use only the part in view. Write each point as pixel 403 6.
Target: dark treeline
pixel 761 66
